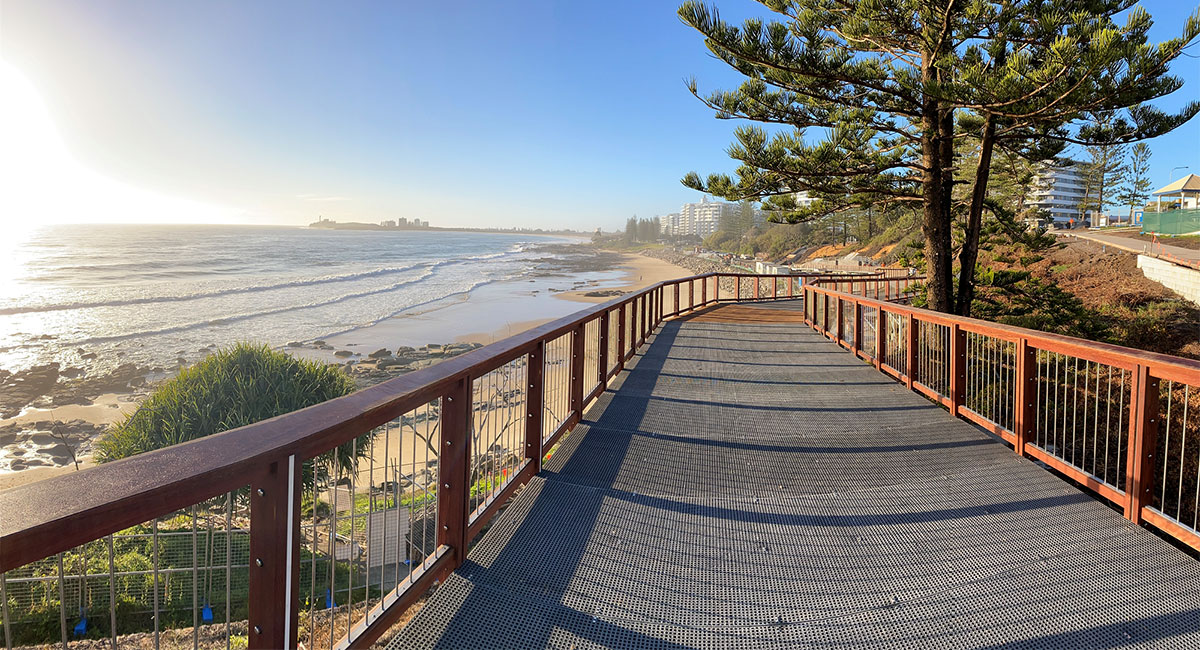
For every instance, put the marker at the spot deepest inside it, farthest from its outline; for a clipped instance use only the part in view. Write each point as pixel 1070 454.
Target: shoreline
pixel 42 439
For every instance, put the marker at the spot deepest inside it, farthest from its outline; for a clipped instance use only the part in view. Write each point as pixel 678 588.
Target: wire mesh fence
pixel 368 524
pixel 175 581
pixel 591 355
pixel 556 381
pixel 498 429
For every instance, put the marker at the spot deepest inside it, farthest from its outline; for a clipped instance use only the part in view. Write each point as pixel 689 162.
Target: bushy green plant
pixel 230 388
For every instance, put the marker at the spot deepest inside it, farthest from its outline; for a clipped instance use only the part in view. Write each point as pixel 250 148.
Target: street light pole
pixel 1173 172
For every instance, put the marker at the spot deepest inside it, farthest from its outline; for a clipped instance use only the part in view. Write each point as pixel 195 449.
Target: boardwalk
pixel 749 484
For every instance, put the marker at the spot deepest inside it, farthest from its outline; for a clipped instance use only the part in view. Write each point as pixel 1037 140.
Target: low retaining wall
pixel 1180 279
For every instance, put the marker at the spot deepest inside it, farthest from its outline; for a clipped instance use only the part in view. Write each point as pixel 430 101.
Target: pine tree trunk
pixel 970 250
pixel 935 142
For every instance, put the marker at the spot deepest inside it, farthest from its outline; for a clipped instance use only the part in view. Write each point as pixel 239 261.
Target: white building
pixel 1058 189
pixel 704 218
pixel 669 224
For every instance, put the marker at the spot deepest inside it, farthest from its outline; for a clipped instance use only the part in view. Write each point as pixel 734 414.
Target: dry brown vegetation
pixel 1137 312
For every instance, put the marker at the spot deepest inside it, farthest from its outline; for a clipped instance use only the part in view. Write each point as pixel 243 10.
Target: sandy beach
pixel 638 271
pixel 42 441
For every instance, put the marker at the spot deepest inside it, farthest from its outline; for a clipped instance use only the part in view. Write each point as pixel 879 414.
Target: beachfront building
pixel 669 224
pixel 1058 189
pixel 704 218
pixel 1183 194
pixel 803 200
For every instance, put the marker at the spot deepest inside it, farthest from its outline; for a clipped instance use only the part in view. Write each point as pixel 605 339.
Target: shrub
pixel 230 388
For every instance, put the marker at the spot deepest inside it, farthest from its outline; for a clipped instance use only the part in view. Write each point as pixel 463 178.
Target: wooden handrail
pixel 1146 369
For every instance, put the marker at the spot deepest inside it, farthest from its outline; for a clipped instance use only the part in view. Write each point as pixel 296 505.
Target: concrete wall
pixel 1180 279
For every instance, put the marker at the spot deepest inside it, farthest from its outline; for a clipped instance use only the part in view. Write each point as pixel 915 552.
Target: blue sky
pixel 478 113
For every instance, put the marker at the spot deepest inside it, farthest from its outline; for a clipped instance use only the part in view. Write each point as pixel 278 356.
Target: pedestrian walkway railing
pixel 322 526
pixel 1121 422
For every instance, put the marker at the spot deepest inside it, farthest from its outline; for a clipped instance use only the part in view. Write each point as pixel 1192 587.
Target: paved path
pixel 748 484
pixel 1139 246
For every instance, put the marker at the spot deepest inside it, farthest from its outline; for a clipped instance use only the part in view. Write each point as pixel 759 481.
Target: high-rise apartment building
pixel 704 218
pixel 1058 189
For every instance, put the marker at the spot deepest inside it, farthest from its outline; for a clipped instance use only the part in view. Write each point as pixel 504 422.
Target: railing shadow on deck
pixel 1116 420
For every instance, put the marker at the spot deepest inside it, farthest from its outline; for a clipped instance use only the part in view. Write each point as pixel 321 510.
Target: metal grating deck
pixel 749 484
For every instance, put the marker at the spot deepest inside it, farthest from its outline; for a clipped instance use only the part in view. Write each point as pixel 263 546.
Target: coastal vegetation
pixel 230 388
pixel 900 90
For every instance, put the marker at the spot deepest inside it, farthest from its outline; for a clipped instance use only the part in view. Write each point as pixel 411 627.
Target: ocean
pixel 95 296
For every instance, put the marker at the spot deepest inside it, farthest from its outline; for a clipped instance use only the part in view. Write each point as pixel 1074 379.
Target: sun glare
pixel 41 183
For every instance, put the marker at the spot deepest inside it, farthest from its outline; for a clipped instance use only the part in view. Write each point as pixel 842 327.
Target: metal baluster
pixel 1108 423
pixel 62 605
pixel 156 603
pixel 1162 501
pixel 228 566
pixel 1182 451
pixel 8 642
pixel 195 585
pixel 1074 409
pixel 1120 411
pixel 312 572
pixel 333 550
pixel 1096 424
pixel 112 592
pixel 383 554
pixel 353 563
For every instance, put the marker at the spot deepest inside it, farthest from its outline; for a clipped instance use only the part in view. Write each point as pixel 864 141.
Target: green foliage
pixel 228 389
pixel 1135 182
pixel 1018 298
pixel 642 230
pixel 888 87
pixel 231 388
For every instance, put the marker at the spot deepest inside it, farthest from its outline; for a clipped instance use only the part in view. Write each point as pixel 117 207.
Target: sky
pixel 484 114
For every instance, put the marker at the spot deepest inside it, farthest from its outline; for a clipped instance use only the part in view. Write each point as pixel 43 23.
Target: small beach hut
pixel 1186 190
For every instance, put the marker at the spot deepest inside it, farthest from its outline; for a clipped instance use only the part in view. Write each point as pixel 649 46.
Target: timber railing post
pixel 757 283
pixel 717 288
pixel 1026 391
pixel 454 470
pixel 577 355
pixel 703 292
pixel 274 580
pixel 910 362
pixel 958 368
pixel 737 293
pixel 534 399
pixel 678 311
pixel 691 295
pixel 1143 441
